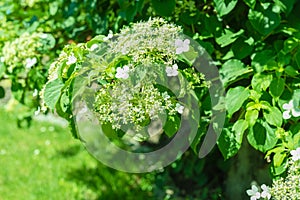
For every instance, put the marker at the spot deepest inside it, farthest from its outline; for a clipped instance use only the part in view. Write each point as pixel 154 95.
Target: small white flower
pixel 166 96
pixel 289 108
pixel 253 193
pixel 179 108
pixel 30 62
pixel 71 59
pixel 2 59
pixel 182 45
pixel 265 192
pixel 93 47
pixel 122 72
pixel 295 154
pixel 109 36
pixel 172 71
pixel 286 114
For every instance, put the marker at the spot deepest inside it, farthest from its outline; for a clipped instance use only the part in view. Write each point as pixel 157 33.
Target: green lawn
pixel 45 162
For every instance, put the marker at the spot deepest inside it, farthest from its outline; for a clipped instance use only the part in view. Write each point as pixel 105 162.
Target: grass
pixel 45 162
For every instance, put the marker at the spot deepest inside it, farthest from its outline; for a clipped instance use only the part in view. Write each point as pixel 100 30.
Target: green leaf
pixel 227 144
pixel 235 98
pixel 261 82
pixel 297 58
pixel 251 117
pixel 228 37
pixel 163 7
pixel 290 44
pixel 275 171
pixel 291 71
pixel 242 48
pixel 262 137
pixel 52 93
pixel 172 125
pixel 189 56
pixel 277 87
pixel 261 59
pixel 264 21
pixel 250 3
pixel 231 70
pixel 239 128
pixel 224 7
pixel 273 116
pixel 285 6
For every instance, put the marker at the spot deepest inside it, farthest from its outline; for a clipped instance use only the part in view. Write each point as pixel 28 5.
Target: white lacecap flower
pixel 172 71
pixel 182 45
pixel 295 154
pixel 179 108
pixel 123 72
pixel 265 192
pixel 289 108
pixel 253 193
pixel 71 59
pixel 30 62
pixel 93 47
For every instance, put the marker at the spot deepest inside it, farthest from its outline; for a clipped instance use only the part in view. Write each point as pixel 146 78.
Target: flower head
pixel 182 45
pixel 122 72
pixel 172 71
pixel 71 59
pixel 295 154
pixel 253 193
pixel 289 108
pixel 265 192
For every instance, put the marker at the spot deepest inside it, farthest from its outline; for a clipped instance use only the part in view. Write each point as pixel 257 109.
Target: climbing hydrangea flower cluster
pixel 139 73
pixel 27 51
pixel 151 48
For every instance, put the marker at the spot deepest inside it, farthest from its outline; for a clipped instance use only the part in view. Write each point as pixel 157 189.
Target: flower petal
pixel 286 114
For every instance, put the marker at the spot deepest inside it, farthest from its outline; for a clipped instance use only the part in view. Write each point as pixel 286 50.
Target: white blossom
pixel 166 96
pixel 265 192
pixel 182 45
pixel 172 71
pixel 30 62
pixel 289 108
pixel 295 154
pixel 71 59
pixel 253 193
pixel 179 108
pixel 122 72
